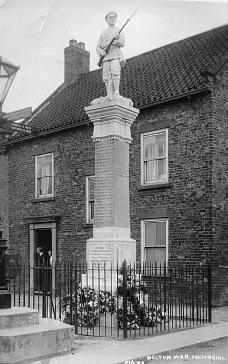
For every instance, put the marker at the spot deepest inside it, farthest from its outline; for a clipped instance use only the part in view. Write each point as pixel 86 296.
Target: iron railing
pixel 122 302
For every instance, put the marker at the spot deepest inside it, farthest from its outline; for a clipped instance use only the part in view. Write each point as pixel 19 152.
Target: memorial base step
pixel 18 317
pixel 49 337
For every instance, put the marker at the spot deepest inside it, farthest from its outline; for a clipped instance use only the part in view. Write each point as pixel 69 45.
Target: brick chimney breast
pixel 77 60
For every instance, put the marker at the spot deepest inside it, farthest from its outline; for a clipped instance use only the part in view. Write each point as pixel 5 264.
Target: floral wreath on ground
pixel 140 312
pixel 85 305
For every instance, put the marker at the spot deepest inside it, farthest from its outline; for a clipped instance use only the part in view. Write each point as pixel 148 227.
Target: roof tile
pixel 148 78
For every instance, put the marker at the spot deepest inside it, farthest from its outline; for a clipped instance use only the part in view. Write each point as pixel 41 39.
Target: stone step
pixel 17 317
pixel 50 337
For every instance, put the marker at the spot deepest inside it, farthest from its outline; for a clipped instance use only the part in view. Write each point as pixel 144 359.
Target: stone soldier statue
pixel 113 59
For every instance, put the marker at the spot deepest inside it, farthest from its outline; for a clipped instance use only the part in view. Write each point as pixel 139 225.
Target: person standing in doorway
pixel 42 256
pixel 42 262
pixel 50 258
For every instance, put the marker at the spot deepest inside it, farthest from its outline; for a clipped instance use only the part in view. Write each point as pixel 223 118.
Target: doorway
pixel 42 235
pixel 42 245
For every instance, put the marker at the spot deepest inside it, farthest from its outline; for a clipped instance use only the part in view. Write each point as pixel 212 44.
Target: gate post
pixel 124 300
pixel 209 282
pixel 5 296
pixel 44 311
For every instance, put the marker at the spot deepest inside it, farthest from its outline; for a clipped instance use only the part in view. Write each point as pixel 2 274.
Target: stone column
pixel 111 242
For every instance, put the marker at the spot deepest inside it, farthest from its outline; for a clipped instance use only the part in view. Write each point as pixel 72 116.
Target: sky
pixel 34 33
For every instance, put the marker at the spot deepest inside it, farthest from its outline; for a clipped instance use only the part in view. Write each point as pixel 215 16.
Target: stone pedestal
pixel 111 243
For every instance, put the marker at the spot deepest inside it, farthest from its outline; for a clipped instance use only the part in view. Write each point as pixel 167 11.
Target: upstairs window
pixel 155 241
pixel 44 175
pixel 90 181
pixel 154 153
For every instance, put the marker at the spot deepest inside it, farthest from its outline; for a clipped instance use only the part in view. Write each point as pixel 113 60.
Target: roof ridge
pixel 183 69
pixel 178 41
pixel 151 51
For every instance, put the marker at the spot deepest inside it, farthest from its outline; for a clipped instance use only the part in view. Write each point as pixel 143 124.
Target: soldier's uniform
pixel 114 59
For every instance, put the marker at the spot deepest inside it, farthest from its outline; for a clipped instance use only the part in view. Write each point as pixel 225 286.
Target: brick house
pixel 178 159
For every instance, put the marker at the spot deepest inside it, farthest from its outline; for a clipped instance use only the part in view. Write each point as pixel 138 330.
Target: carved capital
pixel 112 118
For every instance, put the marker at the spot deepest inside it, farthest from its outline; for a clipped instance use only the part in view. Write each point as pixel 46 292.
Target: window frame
pixel 88 210
pixel 143 247
pixel 160 182
pixel 36 176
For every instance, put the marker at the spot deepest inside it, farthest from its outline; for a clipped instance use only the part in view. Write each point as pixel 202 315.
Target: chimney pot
pixel 81 45
pixel 73 42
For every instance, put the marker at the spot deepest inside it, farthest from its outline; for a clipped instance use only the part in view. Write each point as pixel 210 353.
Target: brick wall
pixel 4 194
pixel 73 160
pixel 220 186
pixel 186 201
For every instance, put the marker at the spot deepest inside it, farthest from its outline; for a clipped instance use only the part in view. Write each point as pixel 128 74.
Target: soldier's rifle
pixel 107 49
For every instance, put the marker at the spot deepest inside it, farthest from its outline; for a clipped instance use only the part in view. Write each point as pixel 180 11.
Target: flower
pixel 88 305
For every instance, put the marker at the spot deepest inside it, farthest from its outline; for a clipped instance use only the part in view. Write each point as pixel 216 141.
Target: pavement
pixel 112 351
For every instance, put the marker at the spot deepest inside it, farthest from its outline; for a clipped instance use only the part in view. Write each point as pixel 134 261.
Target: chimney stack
pixel 77 60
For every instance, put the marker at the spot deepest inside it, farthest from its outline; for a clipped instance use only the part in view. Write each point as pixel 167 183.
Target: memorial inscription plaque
pixel 100 256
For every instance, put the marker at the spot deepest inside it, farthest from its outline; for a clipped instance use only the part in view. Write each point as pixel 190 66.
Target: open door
pixel 42 239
